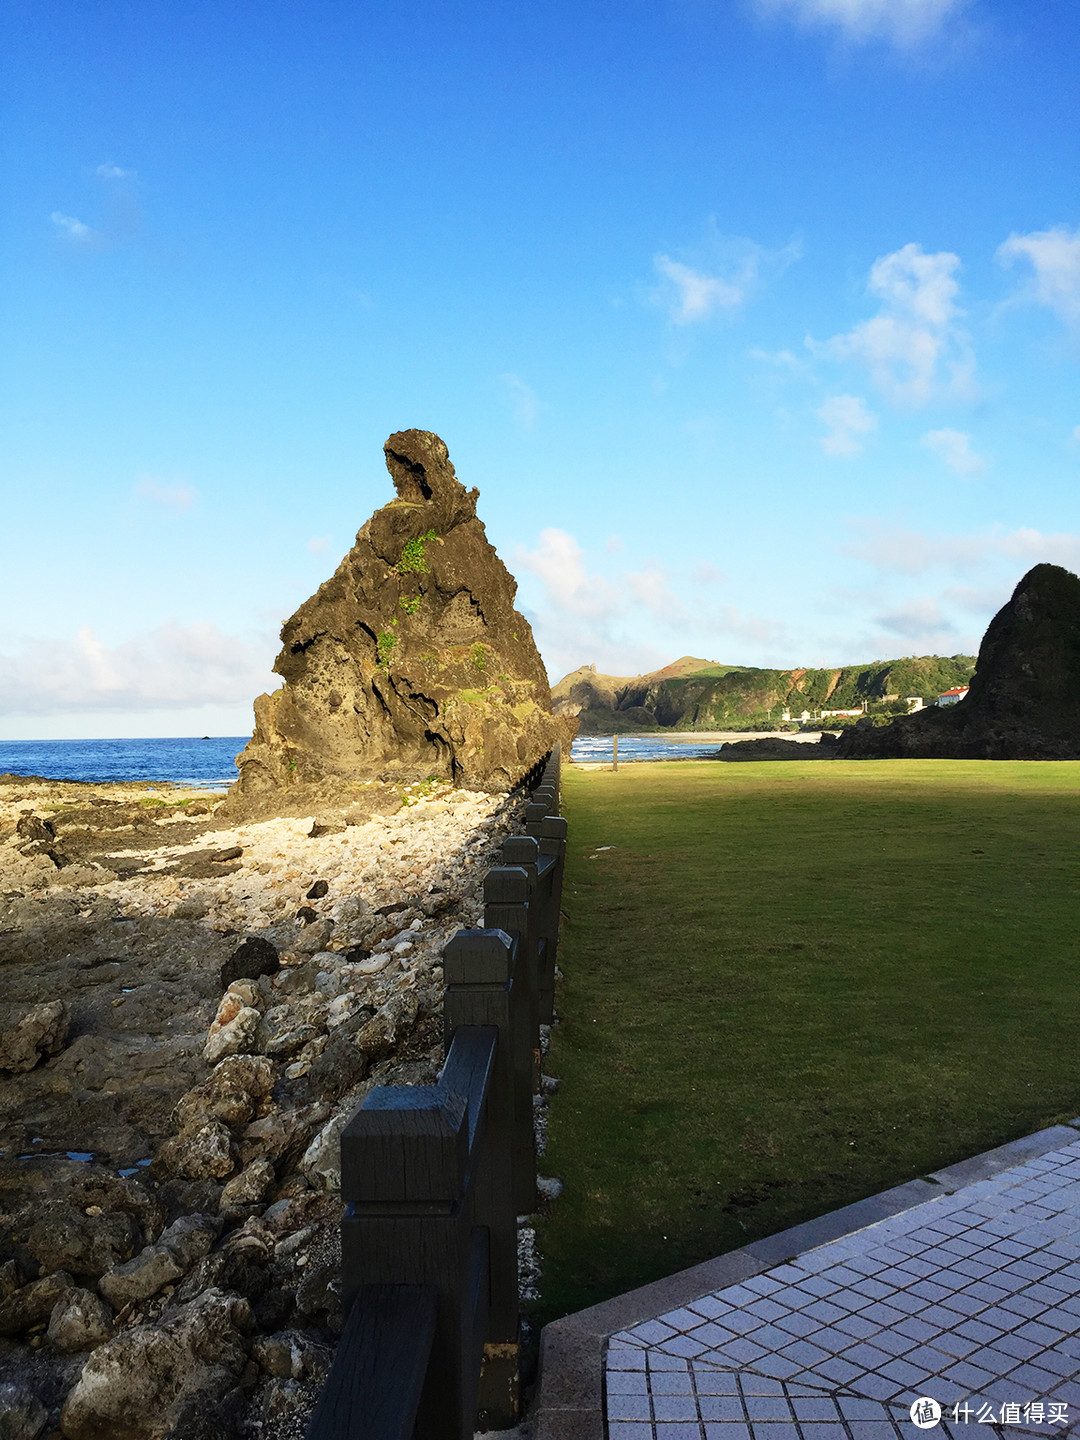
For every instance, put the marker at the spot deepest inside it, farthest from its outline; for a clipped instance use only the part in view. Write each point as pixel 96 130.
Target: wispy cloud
pixel 634 621
pixel 914 348
pixel 896 549
pixel 114 172
pixel 74 230
pixel 847 418
pixel 903 23
pixel 954 448
pixel 171 497
pixel 174 667
pixel 715 276
pixel 1054 256
pixel 919 619
pixel 694 295
pixel 523 400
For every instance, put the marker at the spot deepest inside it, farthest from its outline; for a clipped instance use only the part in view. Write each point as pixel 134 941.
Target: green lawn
pixel 791 985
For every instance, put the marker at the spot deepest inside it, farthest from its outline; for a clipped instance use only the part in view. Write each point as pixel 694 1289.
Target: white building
pixel 950 697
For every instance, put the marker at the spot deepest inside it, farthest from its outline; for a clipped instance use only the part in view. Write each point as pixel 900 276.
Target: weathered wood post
pixel 411 1159
pixel 482 988
pixel 506 907
pixel 614 752
pixel 552 864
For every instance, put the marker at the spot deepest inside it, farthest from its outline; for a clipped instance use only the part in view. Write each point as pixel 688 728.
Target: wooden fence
pixel 434 1176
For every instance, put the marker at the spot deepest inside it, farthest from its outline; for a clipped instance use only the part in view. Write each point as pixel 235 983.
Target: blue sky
pixel 756 322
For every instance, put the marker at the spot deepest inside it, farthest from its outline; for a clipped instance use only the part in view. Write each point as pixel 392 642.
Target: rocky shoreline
pixel 191 1011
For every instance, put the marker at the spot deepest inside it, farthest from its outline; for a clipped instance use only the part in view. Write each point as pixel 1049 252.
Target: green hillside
pixel 722 697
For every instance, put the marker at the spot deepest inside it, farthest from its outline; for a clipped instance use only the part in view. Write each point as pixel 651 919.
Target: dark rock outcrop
pixel 1024 701
pixel 409 662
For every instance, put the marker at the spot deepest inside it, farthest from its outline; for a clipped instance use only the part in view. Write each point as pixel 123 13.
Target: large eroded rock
pixel 1024 701
pixel 409 662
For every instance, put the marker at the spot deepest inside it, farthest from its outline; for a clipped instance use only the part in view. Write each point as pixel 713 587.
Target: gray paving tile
pixel 628 1407
pixel 882 1313
pixel 767 1407
pixel 819 1407
pixel 777 1366
pixel 673 1407
pixel 775 1430
pixel 681 1319
pixel 883 1429
pixel 671 1382
pixel 1039 1331
pixel 720 1407
pixel 837 1370
pixel 685 1346
pixel 659 1361
pixel 955 1344
pixel 804 1353
pixel 824 1310
pixel 710 1307
pixel 754 1384
pixel 715 1382
pixel 727 1430
pixel 799 1324
pixel 620 1430
pixel 711 1334
pixel 856 1327
pixel 686 1430
pixel 762 1284
pixel 767 1309
pixel 744 1351
pixel 627 1382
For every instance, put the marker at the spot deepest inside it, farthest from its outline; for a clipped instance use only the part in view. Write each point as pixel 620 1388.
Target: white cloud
pixel 717 275
pixel 317 544
pixel 847 417
pixel 1055 258
pixel 954 448
pixel 613 544
pixel 634 622
pixel 114 172
pixel 172 497
pixel 174 667
pixel 696 296
pixel 782 359
pixel 523 400
pixel 913 552
pixel 916 335
pixel 559 562
pixel 74 230
pixel 903 23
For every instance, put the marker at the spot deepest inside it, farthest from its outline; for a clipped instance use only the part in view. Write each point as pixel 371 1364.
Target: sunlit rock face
pixel 409 662
pixel 1024 701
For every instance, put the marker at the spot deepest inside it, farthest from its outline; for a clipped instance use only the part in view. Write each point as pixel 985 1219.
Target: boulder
pixel 41 1031
pixel 22 1415
pixel 409 662
pixel 64 1237
pixel 33 1303
pixel 136 1386
pixel 253 958
pixel 80 1320
pixel 1024 699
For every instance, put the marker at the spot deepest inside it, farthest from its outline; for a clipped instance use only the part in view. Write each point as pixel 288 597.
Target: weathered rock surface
pixel 248 1147
pixel 409 661
pixel 41 1031
pixel 1024 700
pixel 133 1387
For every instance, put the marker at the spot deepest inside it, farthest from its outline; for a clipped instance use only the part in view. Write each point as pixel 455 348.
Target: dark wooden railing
pixel 434 1176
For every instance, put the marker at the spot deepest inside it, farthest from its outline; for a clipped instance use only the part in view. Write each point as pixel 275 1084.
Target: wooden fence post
pixel 403 1168
pixel 482 989
pixel 506 907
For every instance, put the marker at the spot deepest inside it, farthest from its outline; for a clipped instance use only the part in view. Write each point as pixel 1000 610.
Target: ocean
pixel 209 762
pixel 187 760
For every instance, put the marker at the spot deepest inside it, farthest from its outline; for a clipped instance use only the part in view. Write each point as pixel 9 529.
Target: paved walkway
pixel 969 1299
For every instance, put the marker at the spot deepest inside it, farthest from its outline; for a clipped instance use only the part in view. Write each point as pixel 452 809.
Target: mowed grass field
pixel 790 985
